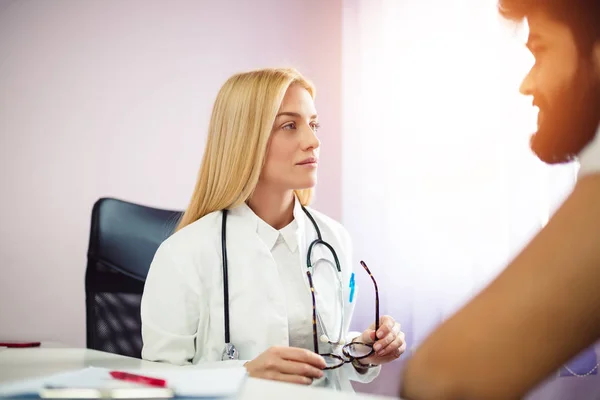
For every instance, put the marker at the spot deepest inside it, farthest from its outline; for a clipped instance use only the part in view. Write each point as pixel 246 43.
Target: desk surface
pixel 20 364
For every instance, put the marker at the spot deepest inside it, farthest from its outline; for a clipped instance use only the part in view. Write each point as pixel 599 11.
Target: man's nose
pixel 527 87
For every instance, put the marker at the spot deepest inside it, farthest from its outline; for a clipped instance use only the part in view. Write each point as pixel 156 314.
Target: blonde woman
pixel 252 275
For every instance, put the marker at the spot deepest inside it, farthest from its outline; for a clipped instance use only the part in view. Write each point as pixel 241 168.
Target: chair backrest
pixel 123 239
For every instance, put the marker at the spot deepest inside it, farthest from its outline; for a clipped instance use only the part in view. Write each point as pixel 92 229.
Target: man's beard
pixel 571 123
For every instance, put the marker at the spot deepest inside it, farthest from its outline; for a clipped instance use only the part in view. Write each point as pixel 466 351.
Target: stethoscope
pixel 230 352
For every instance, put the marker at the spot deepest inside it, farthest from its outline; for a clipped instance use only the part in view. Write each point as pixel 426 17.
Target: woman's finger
pixel 387 345
pixel 381 345
pixel 402 347
pixel 301 355
pixel 386 325
pixel 298 368
pixel 368 336
pixel 393 355
pixel 384 330
pixel 395 344
pixel 298 379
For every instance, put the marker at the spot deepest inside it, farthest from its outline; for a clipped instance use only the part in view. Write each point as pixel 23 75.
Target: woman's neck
pixel 273 207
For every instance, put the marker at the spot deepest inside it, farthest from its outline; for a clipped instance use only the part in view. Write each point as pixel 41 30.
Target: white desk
pixel 19 364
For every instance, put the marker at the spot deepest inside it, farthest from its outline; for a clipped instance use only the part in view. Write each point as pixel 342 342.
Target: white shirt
pixel 182 306
pixel 298 301
pixel 589 158
pixel 284 247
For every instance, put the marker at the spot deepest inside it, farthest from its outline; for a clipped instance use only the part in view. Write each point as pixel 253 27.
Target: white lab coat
pixel 182 305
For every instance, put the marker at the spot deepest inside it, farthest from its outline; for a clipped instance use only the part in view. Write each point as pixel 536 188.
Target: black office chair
pixel 123 239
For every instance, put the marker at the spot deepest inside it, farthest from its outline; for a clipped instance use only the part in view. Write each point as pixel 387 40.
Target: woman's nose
pixel 312 141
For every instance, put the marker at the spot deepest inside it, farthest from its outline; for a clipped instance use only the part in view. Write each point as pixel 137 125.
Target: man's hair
pixel 581 16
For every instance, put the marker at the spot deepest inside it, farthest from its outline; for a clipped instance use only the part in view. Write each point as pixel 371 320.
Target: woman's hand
pixel 388 341
pixel 287 364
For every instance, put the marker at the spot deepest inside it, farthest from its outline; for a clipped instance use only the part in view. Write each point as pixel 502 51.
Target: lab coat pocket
pixel 349 309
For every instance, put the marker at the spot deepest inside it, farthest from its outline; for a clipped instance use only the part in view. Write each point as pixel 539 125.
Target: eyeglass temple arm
pixel 376 295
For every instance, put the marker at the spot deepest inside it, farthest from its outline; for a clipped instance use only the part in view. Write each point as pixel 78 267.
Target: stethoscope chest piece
pixel 230 353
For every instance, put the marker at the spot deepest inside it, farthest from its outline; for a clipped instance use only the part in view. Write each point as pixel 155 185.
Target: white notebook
pixel 184 382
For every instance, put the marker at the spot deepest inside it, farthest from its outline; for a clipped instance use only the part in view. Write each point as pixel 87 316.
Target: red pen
pixel 126 376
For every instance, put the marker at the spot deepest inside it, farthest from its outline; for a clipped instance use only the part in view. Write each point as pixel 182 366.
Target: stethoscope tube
pixel 229 352
pixel 225 274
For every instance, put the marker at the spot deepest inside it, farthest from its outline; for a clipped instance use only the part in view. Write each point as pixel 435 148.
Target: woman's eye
pixel 289 126
pixel 315 126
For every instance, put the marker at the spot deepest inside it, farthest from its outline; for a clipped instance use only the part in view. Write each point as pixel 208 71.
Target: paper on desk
pixel 188 382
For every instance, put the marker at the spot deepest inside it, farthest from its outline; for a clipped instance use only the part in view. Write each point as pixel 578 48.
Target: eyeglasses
pixel 354 351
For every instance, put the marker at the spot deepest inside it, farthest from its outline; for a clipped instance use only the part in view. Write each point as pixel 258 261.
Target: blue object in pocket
pixel 351 299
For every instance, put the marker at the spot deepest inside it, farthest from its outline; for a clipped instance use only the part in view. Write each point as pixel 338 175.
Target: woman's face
pixel 293 150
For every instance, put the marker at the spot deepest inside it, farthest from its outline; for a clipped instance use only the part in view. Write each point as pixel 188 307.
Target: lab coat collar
pixel 267 233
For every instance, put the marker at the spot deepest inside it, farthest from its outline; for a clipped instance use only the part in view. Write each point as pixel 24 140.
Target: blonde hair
pixel 240 126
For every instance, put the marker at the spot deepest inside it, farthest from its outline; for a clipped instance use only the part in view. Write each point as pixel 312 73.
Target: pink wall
pixel 112 99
